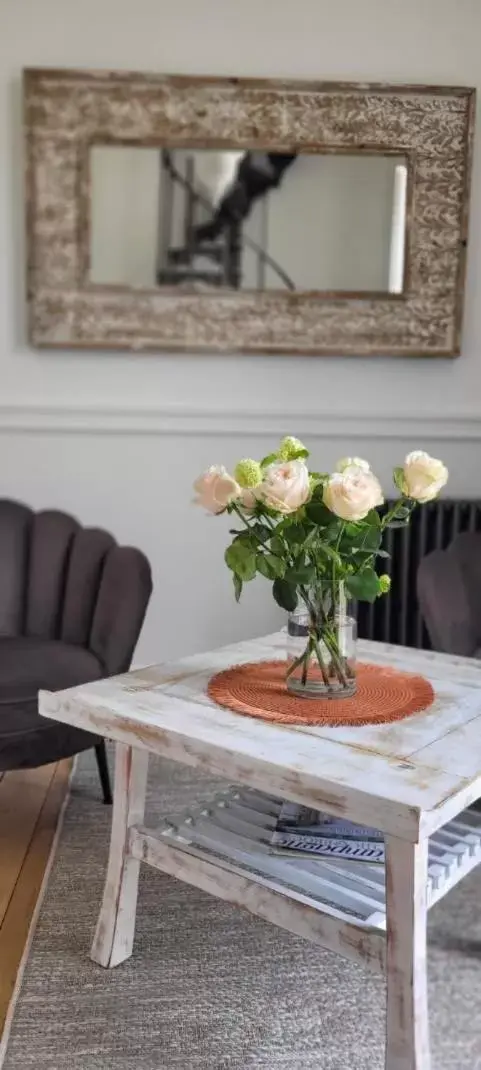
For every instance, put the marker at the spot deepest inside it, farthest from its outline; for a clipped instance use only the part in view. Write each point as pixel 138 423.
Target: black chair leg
pixel 103 768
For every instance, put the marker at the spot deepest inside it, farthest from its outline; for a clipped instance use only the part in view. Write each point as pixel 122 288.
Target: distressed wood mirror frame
pixel 67 112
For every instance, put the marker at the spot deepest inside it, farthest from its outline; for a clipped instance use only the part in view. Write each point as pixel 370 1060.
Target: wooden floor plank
pixel 14 929
pixel 22 794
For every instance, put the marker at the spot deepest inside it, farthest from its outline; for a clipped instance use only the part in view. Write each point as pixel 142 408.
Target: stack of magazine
pixel 300 830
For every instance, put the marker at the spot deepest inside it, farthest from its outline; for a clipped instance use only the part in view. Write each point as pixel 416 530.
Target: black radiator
pixel 395 618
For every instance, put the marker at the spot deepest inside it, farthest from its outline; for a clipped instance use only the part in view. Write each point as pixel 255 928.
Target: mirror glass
pixel 203 218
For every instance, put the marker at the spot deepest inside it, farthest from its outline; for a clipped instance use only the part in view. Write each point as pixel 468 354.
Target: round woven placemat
pixel 259 690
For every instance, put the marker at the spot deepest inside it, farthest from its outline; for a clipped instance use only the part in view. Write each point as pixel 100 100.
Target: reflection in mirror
pixel 198 219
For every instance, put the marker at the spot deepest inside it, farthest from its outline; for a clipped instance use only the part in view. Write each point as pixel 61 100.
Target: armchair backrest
pixel 449 592
pixel 59 580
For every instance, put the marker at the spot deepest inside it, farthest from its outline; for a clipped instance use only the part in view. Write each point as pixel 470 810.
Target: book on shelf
pixel 300 830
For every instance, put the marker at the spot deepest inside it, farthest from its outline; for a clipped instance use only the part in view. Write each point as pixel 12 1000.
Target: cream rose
pixel 285 486
pixel 352 494
pixel 216 489
pixel 423 476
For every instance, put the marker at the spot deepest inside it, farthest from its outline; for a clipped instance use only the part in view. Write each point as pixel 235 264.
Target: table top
pixel 407 778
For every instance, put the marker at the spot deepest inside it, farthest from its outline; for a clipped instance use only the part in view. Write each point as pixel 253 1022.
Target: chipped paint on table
pixel 413 779
pixel 407 777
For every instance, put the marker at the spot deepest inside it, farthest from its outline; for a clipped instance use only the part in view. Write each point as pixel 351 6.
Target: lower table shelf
pixel 224 848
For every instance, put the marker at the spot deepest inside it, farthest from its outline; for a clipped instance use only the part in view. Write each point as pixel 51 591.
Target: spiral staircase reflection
pixel 207 256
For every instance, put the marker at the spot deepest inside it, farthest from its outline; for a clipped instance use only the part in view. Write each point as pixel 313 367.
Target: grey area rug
pixel 210 987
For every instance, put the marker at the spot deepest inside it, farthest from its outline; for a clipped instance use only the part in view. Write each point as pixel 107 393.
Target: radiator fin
pixel 395 618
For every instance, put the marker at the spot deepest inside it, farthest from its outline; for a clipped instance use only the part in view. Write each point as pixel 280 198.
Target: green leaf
pixel 319 514
pixel 270 459
pixel 294 534
pixel 371 539
pixel 287 522
pixel 354 531
pixel 231 556
pixel 401 517
pixel 246 569
pixel 364 585
pixel 262 531
pixel 398 477
pixel 310 538
pixel 246 539
pixel 325 550
pixel 269 566
pixel 285 595
pixel 359 552
pixel 331 534
pixel 277 545
pixel 277 566
pixel 374 518
pixel 361 537
pixel 301 575
pixel 238 585
pixel 241 560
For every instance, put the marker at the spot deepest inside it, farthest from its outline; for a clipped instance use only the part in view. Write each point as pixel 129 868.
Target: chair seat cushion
pixel 27 666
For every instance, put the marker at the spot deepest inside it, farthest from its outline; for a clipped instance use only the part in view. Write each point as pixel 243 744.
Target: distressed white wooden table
pixel 414 780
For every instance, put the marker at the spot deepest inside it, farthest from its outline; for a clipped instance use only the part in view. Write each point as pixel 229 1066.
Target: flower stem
pixel 337 659
pixel 401 503
pixel 320 660
pixel 298 661
pixel 321 630
pixel 262 542
pixel 305 664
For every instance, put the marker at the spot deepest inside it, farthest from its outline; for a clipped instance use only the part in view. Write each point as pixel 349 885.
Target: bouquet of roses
pixel 314 534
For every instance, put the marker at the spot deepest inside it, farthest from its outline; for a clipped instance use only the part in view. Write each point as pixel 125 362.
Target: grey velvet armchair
pixel 449 593
pixel 72 603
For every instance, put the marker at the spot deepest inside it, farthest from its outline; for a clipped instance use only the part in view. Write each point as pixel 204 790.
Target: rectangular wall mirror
pixel 218 214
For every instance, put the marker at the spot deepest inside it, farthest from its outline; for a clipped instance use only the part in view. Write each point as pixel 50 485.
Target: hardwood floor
pixel 30 804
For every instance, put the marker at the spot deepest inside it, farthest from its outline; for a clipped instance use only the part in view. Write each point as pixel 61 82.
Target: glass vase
pixel 321 650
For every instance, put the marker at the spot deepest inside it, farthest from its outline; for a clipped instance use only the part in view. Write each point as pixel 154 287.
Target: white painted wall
pixel 117 439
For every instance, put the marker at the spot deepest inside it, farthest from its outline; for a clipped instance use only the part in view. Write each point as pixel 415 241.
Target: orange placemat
pixel 259 689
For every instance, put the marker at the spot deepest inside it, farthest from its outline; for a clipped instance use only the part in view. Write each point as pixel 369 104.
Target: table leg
pixel 114 935
pixel 407 1045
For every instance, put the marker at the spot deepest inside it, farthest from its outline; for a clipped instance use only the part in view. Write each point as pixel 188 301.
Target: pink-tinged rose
pixel 285 486
pixel 248 499
pixel 423 476
pixel 352 494
pixel 215 489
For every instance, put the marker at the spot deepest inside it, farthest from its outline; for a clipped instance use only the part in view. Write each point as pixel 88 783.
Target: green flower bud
pixel 248 473
pixel 291 448
pixel 352 462
pixel 384 584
